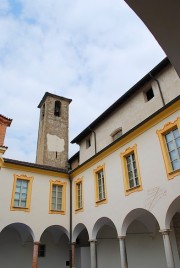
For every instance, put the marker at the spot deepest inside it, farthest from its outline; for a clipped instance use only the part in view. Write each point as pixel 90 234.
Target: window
pixel 43 111
pixel 21 194
pixel 149 94
pixel 57 108
pixel 169 138
pixel 100 185
pixel 88 142
pixel 57 197
pixel 79 195
pixel 131 172
pixel 116 134
pixel 42 250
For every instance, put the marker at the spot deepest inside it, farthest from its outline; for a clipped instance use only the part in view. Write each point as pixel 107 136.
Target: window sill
pixel 77 210
pixel 57 212
pixel 20 209
pixel 173 174
pixel 134 189
pixel 100 202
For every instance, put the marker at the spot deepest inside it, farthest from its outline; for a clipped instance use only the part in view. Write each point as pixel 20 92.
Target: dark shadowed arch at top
pixel 77 230
pixel 172 209
pixel 56 231
pixel 23 230
pixel 100 223
pixel 142 215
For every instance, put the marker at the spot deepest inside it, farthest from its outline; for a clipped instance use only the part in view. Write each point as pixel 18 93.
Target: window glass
pixel 20 196
pixel 101 190
pixel 79 195
pixel 173 146
pixel 57 197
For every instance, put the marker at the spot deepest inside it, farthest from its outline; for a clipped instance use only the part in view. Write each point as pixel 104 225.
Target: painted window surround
pixel 76 184
pixel 63 210
pixel 161 134
pixel 95 171
pixel 123 156
pixel 28 199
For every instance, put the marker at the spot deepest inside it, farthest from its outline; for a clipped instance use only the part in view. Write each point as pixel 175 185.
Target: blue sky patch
pixel 15 7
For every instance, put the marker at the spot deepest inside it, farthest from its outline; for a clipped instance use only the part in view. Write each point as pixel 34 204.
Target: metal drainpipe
pixel 95 147
pixel 155 79
pixel 70 222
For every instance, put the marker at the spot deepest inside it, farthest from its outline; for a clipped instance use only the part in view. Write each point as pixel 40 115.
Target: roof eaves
pixel 121 100
pixel 52 95
pixel 127 133
pixel 33 165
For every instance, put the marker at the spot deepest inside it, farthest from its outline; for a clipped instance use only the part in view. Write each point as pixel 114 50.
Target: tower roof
pixel 5 121
pixel 53 96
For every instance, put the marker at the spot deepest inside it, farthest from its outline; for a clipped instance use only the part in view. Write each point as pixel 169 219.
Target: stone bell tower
pixel 52 146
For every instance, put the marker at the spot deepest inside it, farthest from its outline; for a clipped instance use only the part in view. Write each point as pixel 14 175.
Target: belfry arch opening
pixel 57 108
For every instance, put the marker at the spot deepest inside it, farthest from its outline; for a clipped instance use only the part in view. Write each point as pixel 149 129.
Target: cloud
pixel 90 51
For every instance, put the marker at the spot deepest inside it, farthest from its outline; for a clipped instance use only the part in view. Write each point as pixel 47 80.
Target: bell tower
pixel 52 145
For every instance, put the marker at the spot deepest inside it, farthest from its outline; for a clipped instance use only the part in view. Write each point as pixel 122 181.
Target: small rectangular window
pixel 173 147
pixel 57 197
pixel 57 108
pixel 21 195
pixel 79 194
pixel 169 138
pixel 131 170
pixel 42 250
pixel 100 185
pixel 149 94
pixel 88 142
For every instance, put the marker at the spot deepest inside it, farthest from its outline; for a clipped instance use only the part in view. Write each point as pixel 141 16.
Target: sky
pixel 90 51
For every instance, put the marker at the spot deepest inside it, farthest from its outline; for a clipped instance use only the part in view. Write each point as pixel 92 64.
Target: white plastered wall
pixel 133 111
pixel 158 192
pixel 38 219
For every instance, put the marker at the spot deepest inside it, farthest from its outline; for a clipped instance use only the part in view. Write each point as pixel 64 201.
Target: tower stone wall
pixel 52 147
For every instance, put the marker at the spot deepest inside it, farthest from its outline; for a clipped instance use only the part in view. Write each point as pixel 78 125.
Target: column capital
pixel 92 240
pixel 37 243
pixel 122 237
pixel 165 231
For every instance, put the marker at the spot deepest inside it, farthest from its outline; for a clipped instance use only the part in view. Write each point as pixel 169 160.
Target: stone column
pixel 123 255
pixel 93 253
pixel 35 255
pixel 168 248
pixel 73 255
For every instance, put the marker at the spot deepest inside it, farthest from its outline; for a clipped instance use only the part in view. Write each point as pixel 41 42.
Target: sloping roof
pixel 54 96
pixel 165 62
pixel 4 120
pixel 128 132
pixel 73 157
pixel 33 165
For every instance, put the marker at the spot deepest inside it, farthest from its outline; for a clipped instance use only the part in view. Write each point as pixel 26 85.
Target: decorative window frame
pixel 58 183
pixel 29 193
pixel 96 171
pixel 123 156
pixel 76 183
pixel 161 135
